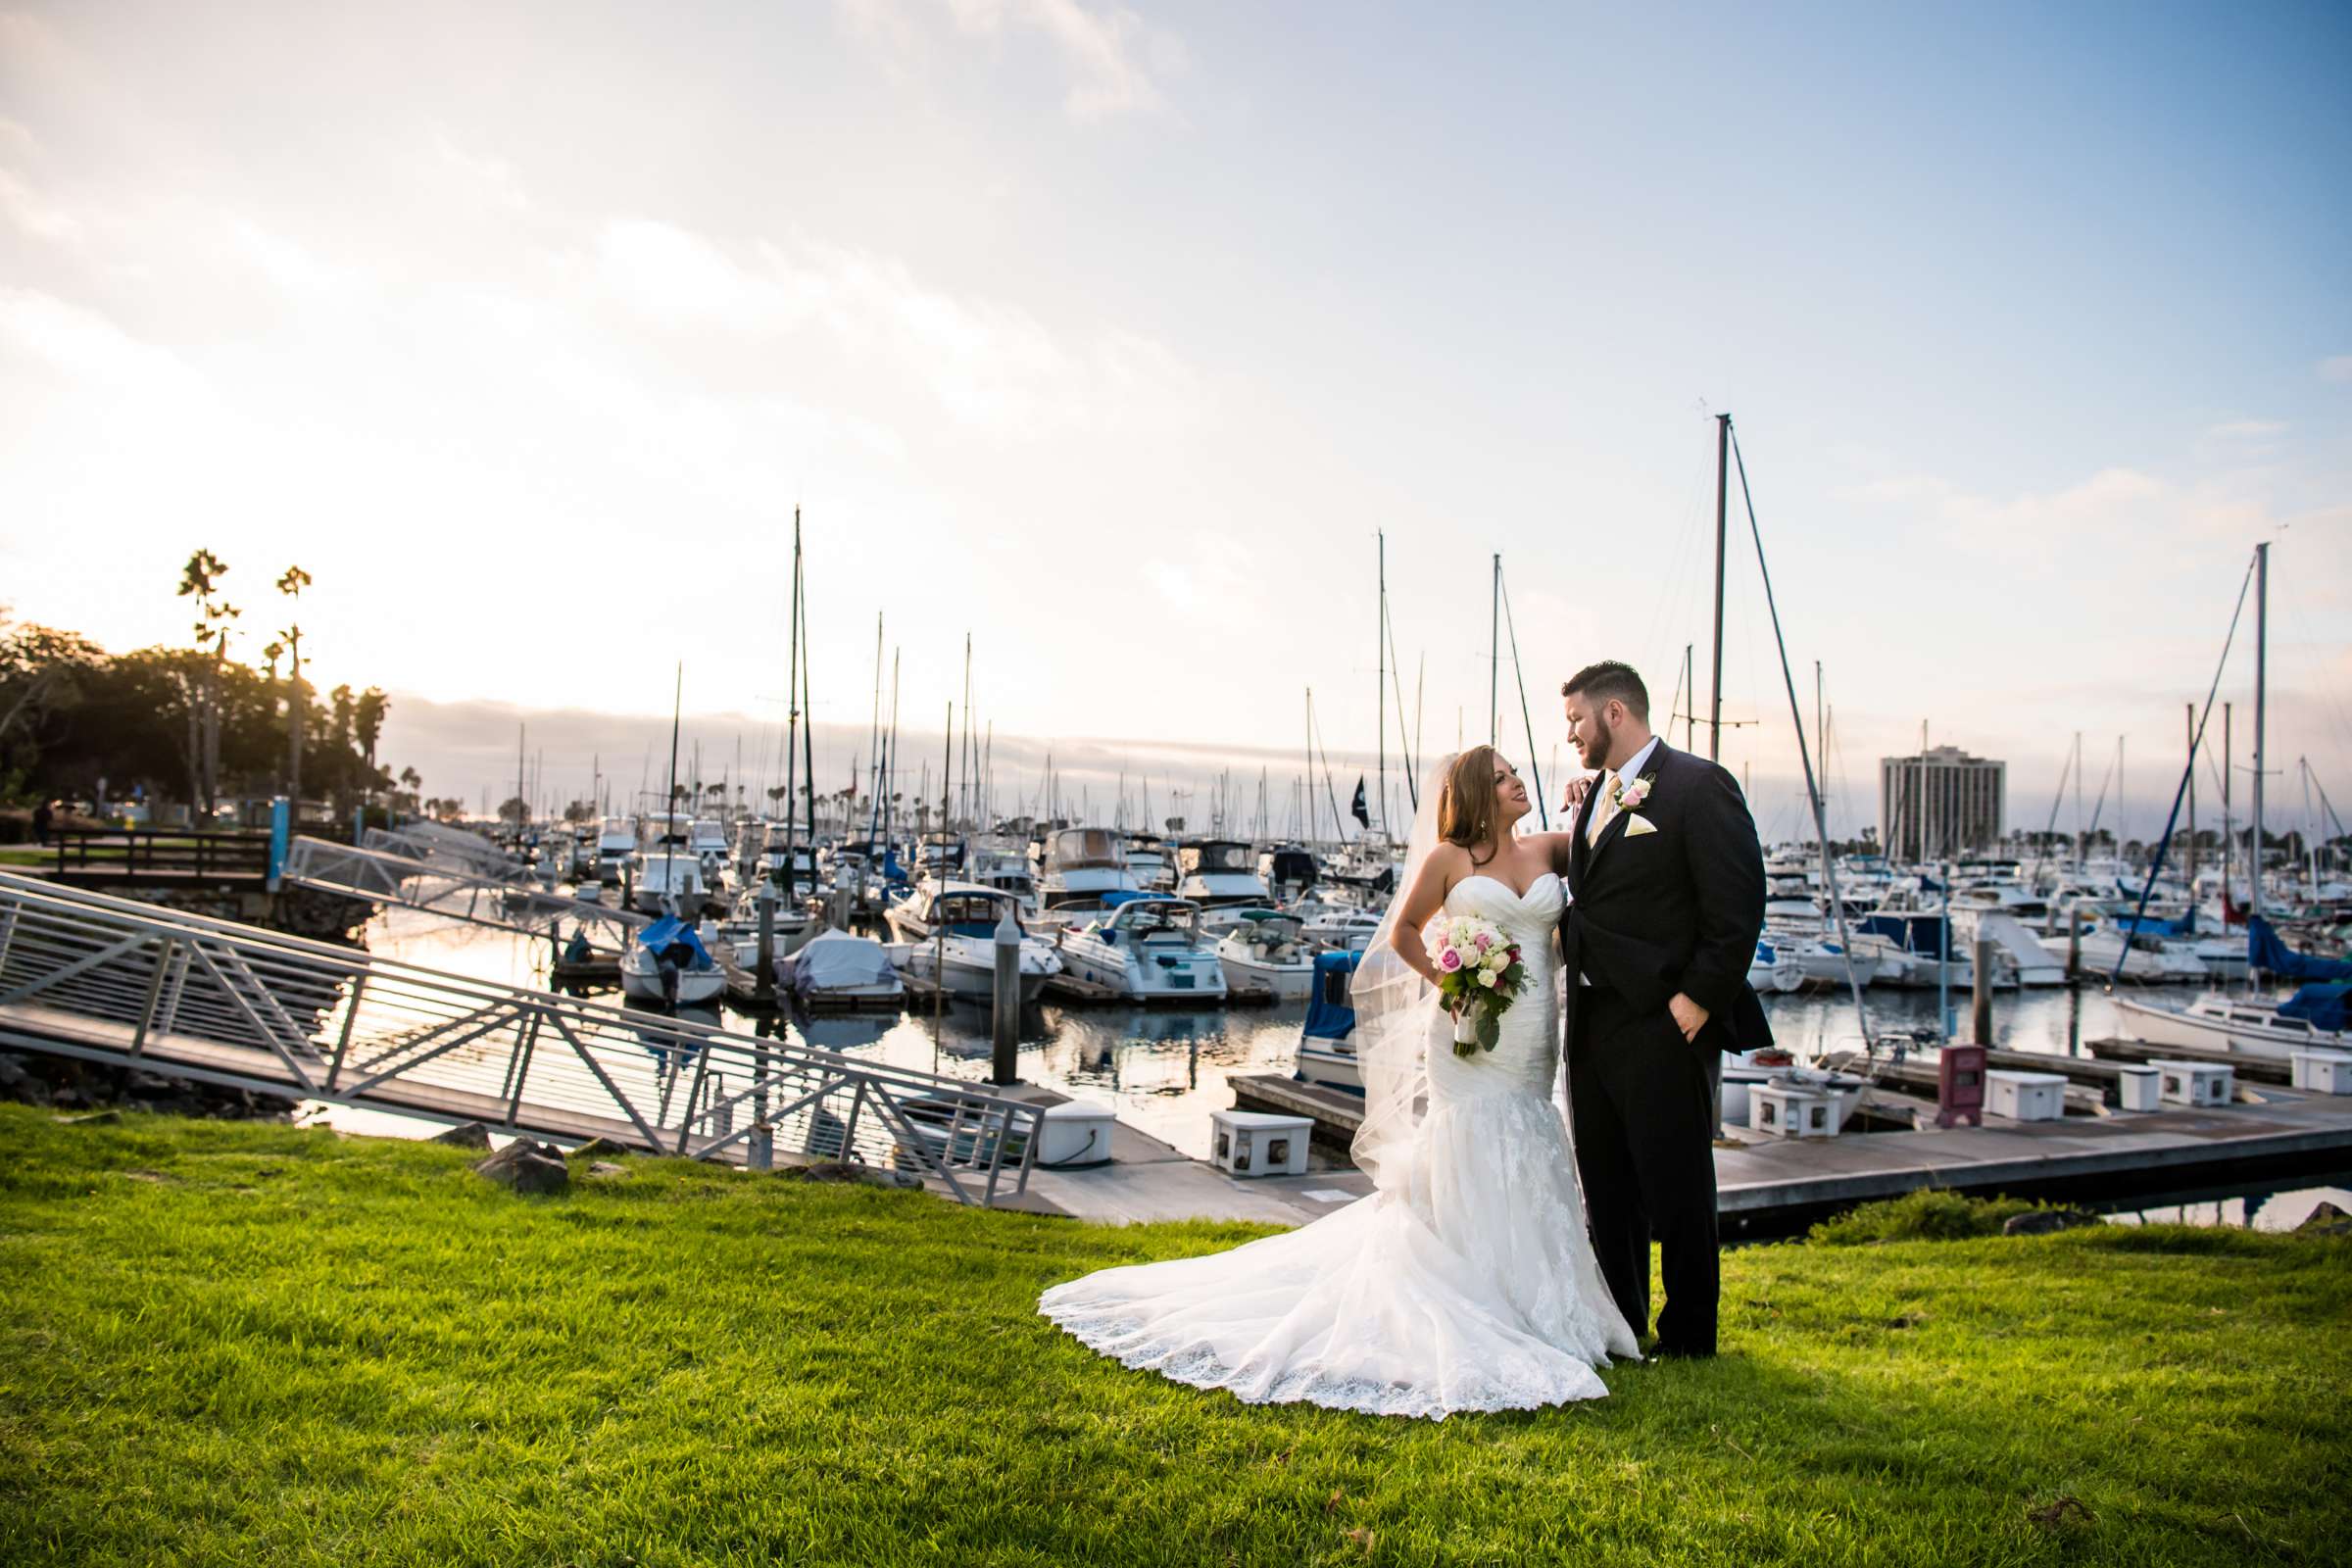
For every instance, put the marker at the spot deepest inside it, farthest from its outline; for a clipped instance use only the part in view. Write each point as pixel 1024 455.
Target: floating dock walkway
pixel 110 980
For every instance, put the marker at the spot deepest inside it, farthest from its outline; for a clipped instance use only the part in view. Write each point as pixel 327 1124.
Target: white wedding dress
pixel 1467 1283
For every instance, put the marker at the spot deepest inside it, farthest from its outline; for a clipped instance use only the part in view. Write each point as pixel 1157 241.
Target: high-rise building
pixel 1940 803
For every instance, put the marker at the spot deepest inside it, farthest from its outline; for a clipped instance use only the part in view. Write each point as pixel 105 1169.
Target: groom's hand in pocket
pixel 1689 1017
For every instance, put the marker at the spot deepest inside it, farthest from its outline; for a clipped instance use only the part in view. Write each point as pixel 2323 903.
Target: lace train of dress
pixel 1469 1284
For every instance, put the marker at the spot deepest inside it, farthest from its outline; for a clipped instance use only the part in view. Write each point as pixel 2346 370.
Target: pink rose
pixel 1449 960
pixel 1485 941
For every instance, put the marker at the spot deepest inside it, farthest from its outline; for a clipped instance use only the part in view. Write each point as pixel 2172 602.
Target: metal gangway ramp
pixel 110 980
pixel 455 890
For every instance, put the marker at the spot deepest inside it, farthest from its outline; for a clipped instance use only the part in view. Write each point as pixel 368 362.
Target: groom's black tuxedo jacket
pixel 1676 909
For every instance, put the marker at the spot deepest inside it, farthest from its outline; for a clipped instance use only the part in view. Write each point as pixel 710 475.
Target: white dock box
pixel 2323 1072
pixel 1252 1142
pixel 1790 1110
pixel 2026 1095
pixel 2196 1083
pixel 1073 1135
pixel 2139 1087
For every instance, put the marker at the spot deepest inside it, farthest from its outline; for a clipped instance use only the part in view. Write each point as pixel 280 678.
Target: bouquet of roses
pixel 1480 975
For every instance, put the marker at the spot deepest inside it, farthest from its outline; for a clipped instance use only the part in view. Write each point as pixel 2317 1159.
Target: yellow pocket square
pixel 1636 827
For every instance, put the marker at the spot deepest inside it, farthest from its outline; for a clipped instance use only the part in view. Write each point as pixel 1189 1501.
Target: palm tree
pixel 291 583
pixel 200 580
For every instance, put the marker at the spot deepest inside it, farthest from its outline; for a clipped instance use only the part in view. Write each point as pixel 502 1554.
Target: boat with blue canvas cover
pixel 2276 1029
pixel 1327 1039
pixel 668 963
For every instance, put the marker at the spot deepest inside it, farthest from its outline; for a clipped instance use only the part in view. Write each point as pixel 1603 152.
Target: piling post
pixel 2073 944
pixel 1981 1000
pixel 763 983
pixel 1004 1021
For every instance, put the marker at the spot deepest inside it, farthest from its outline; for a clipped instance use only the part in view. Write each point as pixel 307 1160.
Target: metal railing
pixel 454 891
pixel 150 854
pixel 112 980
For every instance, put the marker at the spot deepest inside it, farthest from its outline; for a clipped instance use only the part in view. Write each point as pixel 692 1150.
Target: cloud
pixel 1114 60
pixel 990 365
pixel 89 348
pixel 2031 528
pixel 31 212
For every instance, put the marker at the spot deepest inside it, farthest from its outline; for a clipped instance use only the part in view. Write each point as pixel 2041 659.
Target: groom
pixel 1667 886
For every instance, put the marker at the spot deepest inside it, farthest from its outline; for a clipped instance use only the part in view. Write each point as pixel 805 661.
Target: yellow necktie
pixel 1609 810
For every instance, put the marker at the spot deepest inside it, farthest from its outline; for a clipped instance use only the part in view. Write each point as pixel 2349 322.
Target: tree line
pixel 189 723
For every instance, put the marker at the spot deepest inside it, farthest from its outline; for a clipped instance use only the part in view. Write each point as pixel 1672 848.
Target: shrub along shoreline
pixel 260 1344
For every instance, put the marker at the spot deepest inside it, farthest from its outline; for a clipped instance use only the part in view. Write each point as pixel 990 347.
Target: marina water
pixel 1163 1070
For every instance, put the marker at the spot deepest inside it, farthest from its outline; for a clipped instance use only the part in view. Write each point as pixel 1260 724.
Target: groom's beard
pixel 1597 752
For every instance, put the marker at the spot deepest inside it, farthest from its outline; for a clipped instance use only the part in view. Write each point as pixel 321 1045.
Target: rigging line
pixel 1331 790
pixel 2056 801
pixel 2147 887
pixel 1412 785
pixel 1828 861
pixel 1543 814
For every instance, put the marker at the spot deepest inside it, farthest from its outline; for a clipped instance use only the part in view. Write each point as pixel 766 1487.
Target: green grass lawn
pixel 260 1344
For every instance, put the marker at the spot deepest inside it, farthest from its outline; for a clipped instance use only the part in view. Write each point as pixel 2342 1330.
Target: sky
pixel 1116 338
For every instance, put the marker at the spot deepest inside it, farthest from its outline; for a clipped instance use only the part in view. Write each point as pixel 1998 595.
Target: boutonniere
pixel 1633 795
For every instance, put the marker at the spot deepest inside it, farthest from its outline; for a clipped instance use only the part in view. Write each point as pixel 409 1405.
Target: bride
pixel 1465 1281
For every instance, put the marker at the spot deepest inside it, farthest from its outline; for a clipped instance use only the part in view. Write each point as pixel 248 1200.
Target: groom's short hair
pixel 1610 679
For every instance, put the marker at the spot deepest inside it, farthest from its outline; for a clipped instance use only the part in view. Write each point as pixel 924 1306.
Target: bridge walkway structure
pixel 382 874
pixel 104 979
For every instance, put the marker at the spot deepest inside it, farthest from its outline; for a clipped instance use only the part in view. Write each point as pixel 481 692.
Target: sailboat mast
pixel 1309 775
pixel 1723 446
pixel 2192 811
pixel 2262 649
pixel 1380 680
pixel 791 711
pixel 800 622
pixel 677 697
pixel 1494 657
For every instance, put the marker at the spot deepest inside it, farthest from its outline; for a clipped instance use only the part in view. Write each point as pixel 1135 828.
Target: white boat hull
pixel 1320 1063
pixel 1289 982
pixel 2156 1025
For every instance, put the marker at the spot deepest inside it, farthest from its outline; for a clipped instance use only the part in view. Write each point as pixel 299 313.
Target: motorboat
pixel 1149 861
pixel 1148 947
pixel 1219 871
pixel 1326 1039
pixel 948 936
pixel 836 971
pixel 1774 971
pixel 1266 951
pixel 1007 871
pixel 615 842
pixel 1336 928
pixel 939 857
pixel 1288 872
pixel 708 840
pixel 793 923
pixel 2117 946
pixel 668 881
pixel 1082 864
pixel 670 962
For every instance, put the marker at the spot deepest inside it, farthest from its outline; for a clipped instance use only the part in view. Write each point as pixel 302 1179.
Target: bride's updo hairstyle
pixel 1466 813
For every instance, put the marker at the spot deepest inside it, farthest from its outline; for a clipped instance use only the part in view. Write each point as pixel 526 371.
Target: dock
pixel 1770 1187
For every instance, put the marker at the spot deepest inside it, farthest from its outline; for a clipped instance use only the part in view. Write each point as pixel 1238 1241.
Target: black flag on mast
pixel 1362 814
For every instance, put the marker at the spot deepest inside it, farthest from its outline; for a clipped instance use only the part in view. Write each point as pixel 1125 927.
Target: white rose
pixel 1486 977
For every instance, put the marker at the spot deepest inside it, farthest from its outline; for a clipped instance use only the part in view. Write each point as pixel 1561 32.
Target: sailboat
pixel 2276 1028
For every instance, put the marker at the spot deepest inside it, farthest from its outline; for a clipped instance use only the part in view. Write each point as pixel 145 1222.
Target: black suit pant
pixel 1645 1123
